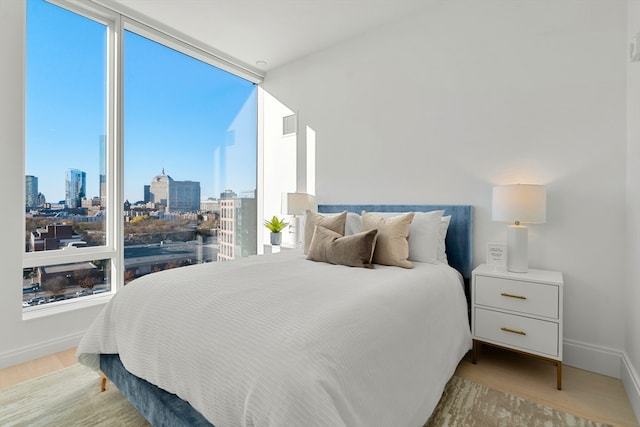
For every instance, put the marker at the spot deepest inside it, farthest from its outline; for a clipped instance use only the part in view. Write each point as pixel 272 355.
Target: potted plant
pixel 276 225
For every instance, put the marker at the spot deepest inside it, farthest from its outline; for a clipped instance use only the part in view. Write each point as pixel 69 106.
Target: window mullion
pixel 116 153
pixel 71 255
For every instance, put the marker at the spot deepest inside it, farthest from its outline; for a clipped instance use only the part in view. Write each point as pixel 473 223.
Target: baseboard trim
pixel 594 358
pixel 605 361
pixel 631 382
pixel 40 349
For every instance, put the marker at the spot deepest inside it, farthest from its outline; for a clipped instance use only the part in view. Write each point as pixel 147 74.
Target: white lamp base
pixel 297 229
pixel 517 248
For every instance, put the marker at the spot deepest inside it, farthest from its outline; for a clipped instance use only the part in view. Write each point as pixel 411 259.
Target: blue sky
pixel 180 114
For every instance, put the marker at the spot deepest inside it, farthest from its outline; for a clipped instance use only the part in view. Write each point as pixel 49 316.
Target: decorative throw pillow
pixel 392 246
pixel 334 222
pixel 442 247
pixel 355 250
pixel 424 234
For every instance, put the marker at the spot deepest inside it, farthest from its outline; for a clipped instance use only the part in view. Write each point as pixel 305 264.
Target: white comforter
pixel 278 340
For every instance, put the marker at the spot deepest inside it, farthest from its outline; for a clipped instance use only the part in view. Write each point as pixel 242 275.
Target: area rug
pixel 468 404
pixel 68 397
pixel 72 397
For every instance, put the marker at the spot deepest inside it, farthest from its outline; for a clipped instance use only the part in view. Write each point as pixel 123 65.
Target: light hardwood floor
pixel 36 368
pixel 584 393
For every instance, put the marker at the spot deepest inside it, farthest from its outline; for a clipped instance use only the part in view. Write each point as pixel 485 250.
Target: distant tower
pixel 175 196
pixel 159 189
pixel 147 193
pixel 31 191
pixel 75 188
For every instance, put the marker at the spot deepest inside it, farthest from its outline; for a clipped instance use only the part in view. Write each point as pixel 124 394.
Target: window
pixel 66 247
pixel 65 127
pixel 114 193
pixel 190 160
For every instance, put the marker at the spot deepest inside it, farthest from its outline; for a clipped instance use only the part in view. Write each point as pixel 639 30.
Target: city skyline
pixel 33 190
pixel 196 121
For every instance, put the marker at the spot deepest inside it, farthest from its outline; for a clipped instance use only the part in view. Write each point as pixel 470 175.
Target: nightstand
pixel 274 249
pixel 518 311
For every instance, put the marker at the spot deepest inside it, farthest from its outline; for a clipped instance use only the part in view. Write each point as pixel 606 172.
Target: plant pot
pixel 276 238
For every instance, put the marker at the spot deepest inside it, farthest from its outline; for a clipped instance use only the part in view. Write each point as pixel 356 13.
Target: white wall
pixel 279 152
pixel 447 103
pixel 632 359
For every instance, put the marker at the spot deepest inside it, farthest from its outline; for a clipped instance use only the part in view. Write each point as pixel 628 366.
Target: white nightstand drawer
pixel 520 332
pixel 524 297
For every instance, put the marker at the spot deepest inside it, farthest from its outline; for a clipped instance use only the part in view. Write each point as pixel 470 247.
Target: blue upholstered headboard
pixel 459 239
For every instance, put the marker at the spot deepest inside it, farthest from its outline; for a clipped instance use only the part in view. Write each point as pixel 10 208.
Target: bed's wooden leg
pixel 103 382
pixel 474 352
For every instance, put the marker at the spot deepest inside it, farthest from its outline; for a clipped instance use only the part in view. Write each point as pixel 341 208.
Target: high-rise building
pixel 184 196
pixel 147 193
pixel 159 189
pixel 175 196
pixel 238 228
pixel 75 188
pixel 31 191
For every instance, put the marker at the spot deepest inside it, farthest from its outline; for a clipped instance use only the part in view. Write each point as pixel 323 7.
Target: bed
pixel 279 340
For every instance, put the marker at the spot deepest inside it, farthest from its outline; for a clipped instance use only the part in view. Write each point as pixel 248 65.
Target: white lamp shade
pixel 519 203
pixel 297 203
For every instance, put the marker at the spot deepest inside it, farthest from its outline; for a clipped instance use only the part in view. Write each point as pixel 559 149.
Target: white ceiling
pixel 274 31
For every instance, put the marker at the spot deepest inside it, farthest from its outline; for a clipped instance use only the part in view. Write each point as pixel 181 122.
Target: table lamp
pixel 296 204
pixel 518 204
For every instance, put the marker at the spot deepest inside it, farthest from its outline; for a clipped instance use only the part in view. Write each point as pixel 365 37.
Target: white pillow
pixel 442 247
pixel 424 234
pixel 353 225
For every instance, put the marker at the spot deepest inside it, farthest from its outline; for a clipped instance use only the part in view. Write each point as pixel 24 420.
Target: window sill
pixel 64 306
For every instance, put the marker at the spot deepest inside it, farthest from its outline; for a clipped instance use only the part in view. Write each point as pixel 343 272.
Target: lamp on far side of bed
pixel 517 204
pixel 296 204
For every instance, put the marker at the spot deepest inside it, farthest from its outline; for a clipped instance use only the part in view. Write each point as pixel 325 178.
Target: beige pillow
pixel 392 246
pixel 334 222
pixel 355 250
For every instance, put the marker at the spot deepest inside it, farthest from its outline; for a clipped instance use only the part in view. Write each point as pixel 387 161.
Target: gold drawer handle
pixel 513 331
pixel 504 294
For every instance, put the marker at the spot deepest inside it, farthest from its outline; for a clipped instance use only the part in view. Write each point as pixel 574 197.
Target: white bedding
pixel 278 340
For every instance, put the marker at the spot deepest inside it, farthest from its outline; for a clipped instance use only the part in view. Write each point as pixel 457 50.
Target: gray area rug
pixel 72 397
pixel 68 397
pixel 465 403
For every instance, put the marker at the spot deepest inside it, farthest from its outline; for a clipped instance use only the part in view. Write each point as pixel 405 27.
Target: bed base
pixel 158 406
